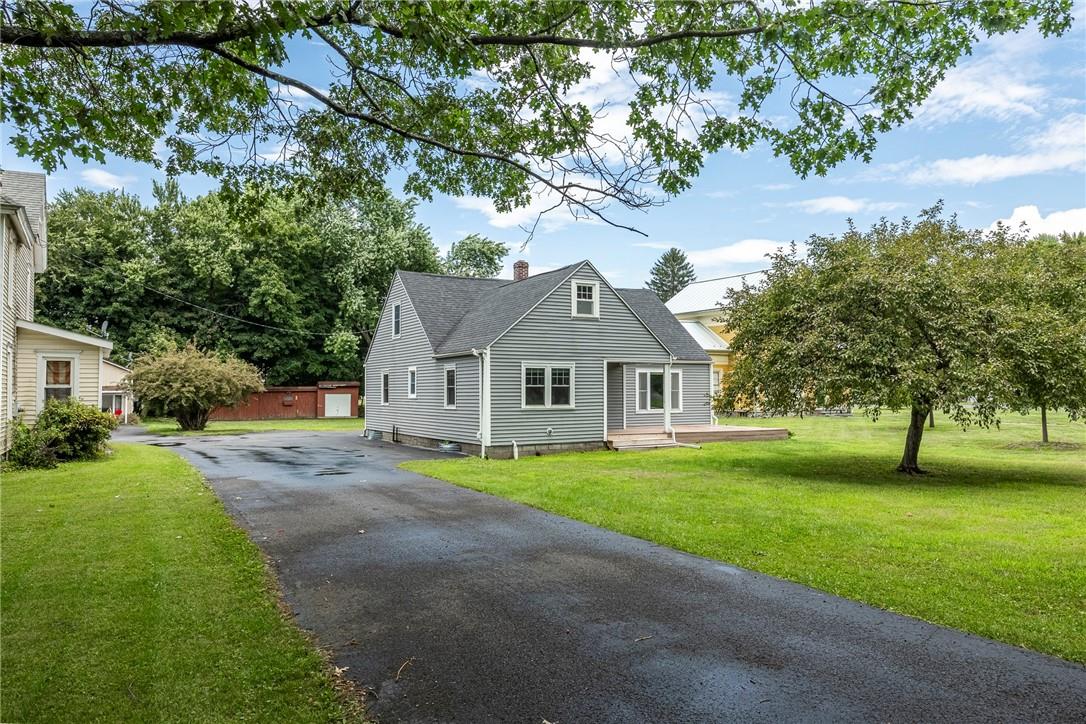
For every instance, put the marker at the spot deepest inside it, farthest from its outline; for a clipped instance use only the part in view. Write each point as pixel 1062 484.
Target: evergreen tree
pixel 671 274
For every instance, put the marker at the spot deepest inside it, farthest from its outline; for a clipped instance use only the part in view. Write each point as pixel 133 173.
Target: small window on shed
pixel 396 320
pixel 384 387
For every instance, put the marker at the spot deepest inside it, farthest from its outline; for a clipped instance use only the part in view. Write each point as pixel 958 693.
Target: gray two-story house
pixel 556 361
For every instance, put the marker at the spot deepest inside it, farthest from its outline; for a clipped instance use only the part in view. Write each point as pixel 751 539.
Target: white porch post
pixel 667 397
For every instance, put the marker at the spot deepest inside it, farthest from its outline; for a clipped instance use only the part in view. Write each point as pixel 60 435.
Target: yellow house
pixel 37 362
pixel 697 307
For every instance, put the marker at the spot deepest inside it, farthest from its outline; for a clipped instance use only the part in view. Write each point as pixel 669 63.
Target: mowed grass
pixel 993 541
pixel 168 426
pixel 129 595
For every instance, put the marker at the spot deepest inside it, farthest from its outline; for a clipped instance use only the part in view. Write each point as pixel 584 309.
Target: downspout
pixel 484 394
pixel 667 398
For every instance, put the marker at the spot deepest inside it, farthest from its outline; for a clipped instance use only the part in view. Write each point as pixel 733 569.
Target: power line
pixel 198 306
pixel 733 276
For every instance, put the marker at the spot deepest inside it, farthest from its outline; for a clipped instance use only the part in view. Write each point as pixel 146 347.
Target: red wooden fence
pixel 278 403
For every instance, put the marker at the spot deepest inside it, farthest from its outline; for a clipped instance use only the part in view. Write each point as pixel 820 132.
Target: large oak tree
pixel 480 98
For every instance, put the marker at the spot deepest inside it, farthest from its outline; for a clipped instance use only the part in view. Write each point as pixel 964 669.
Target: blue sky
pixel 1003 137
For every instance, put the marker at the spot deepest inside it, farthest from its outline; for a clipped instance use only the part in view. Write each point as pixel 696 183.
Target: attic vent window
pixel 585 298
pixel 396 321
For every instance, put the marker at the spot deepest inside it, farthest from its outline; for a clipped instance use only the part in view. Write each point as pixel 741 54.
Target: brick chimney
pixel 520 271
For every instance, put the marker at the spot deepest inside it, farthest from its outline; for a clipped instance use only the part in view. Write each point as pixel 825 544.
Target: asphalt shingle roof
pixel 459 314
pixel 663 324
pixel 500 309
pixel 26 189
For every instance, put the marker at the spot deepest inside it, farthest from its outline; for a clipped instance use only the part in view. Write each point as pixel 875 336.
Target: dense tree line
pixel 291 287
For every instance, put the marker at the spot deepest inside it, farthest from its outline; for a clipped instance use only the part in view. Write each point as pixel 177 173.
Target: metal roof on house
pixel 707 338
pixel 705 296
pixel 459 314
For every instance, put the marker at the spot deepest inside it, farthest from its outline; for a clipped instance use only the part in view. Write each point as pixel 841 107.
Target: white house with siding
pixel 557 361
pixel 37 362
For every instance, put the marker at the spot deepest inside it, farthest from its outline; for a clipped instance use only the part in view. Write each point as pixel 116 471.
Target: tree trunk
pixel 912 442
pixel 193 418
pixel 931 418
pixel 1044 423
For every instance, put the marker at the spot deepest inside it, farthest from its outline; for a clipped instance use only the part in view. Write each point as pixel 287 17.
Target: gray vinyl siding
pixel 424 415
pixel 549 334
pixel 614 397
pixel 695 397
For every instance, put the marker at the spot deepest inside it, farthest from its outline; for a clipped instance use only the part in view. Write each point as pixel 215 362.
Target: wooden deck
pixel 640 438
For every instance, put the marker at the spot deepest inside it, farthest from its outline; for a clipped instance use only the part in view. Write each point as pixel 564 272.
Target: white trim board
pixel 63 334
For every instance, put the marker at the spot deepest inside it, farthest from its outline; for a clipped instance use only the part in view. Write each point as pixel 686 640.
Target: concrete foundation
pixel 497 452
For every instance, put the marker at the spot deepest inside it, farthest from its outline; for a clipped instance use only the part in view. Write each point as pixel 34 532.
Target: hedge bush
pixel 65 430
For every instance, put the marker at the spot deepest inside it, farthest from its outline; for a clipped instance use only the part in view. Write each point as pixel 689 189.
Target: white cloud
pixel 720 194
pixel 654 245
pixel 102 179
pixel 1002 84
pixel 725 258
pixel 841 205
pixel 1060 147
pixel 1071 220
pixel 773 187
pixel 524 217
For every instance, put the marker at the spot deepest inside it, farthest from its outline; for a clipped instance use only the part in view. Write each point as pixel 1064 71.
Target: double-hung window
pixel 650 390
pixel 58 379
pixel 547 385
pixel 412 382
pixel 384 387
pixel 584 298
pixel 396 314
pixel 450 387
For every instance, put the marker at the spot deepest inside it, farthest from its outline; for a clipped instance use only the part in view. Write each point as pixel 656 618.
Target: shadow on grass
pixel 832 467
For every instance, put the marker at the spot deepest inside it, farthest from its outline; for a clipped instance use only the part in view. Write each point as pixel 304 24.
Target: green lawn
pixel 168 426
pixel 992 542
pixel 129 595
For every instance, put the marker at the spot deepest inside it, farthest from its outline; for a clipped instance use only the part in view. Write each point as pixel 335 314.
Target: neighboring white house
pixel 37 362
pixel 115 397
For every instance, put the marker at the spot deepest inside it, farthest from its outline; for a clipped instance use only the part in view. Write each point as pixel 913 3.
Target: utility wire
pixel 733 276
pixel 198 306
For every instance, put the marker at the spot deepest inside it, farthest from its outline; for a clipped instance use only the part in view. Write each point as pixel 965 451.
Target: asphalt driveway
pixel 450 605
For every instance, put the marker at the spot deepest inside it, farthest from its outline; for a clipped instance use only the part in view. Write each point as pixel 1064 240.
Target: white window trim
pixel 445 386
pixel 573 283
pixel 386 384
pixel 60 355
pixel 397 326
pixel 412 383
pixel 637 390
pixel 547 366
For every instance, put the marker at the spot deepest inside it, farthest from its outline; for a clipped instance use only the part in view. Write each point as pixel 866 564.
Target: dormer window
pixel 585 298
pixel 396 320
